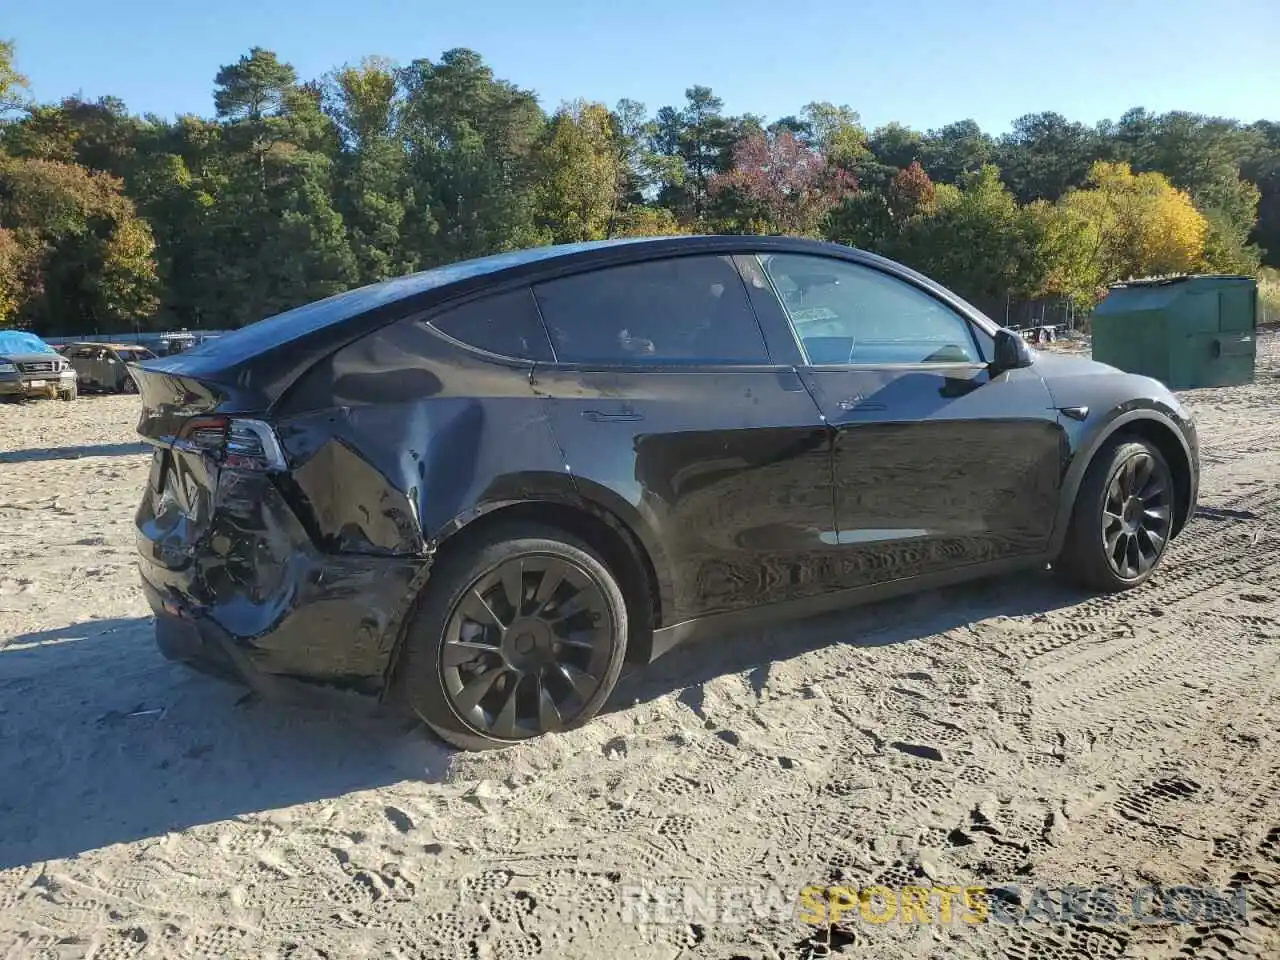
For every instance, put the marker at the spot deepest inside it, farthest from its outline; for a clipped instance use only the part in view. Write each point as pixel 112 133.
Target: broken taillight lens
pixel 234 442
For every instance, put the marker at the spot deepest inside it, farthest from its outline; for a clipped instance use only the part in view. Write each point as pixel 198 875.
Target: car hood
pixel 29 357
pixel 1053 365
pixel 1081 382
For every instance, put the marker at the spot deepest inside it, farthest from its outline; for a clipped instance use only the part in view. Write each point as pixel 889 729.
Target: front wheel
pixel 70 393
pixel 517 634
pixel 1122 519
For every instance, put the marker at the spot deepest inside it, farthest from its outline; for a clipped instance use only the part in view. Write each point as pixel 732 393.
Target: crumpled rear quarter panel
pixel 230 548
pixel 400 437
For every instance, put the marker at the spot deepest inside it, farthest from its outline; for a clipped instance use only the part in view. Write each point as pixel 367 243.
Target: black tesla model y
pixel 478 490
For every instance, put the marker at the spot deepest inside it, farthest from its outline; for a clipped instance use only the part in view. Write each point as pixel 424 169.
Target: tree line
pixel 297 190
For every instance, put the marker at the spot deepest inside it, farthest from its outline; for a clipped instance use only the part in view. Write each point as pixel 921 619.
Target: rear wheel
pixel 1122 519
pixel 520 633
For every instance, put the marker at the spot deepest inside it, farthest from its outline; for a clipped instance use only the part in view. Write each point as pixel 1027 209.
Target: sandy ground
pixel 1009 731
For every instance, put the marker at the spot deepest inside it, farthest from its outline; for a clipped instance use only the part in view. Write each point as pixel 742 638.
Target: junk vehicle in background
pixel 29 367
pixel 162 344
pixel 165 345
pixel 105 366
pixel 476 491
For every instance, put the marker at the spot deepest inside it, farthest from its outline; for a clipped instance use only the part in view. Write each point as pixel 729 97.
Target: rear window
pixel 506 324
pixel 682 309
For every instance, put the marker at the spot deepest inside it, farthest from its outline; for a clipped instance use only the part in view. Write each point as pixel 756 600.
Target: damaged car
pixel 29 367
pixel 106 366
pixel 477 491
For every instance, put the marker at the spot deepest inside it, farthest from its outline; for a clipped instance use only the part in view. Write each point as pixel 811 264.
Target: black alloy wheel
pixel 1122 519
pixel 527 647
pixel 1137 515
pixel 518 632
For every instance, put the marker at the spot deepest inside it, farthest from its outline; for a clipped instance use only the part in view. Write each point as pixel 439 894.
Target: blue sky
pixel 923 63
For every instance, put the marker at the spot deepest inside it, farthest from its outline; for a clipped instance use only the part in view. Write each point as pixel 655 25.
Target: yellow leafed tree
pixel 581 174
pixel 11 262
pixel 74 251
pixel 1137 224
pixel 647 222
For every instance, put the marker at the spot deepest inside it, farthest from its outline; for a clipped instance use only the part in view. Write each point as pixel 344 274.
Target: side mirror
pixel 1011 351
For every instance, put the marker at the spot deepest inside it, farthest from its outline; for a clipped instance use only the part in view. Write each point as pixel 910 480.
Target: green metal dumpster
pixel 1194 331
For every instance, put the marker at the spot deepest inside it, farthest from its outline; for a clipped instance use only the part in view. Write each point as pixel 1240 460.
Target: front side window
pixel 847 313
pixel 506 324
pixel 681 310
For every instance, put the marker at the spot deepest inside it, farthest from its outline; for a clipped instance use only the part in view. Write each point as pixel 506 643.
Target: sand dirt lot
pixel 1013 731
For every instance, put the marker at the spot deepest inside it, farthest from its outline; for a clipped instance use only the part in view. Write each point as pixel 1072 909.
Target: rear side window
pixel 506 324
pixel 685 309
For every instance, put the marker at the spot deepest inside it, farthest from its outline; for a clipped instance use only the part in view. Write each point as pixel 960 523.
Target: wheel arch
pixel 617 544
pixel 1148 424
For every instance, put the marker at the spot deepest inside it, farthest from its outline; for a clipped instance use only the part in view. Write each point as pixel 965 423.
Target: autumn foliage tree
pixel 13 85
pixel 370 193
pixel 298 188
pixel 1139 224
pixel 1066 254
pixel 912 193
pixel 877 219
pixel 778 185
pixel 15 287
pixel 974 238
pixel 581 176
pixel 72 248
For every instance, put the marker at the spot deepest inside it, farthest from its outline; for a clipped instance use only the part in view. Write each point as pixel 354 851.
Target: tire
pixel 128 384
pixel 1112 543
pixel 464 635
pixel 69 395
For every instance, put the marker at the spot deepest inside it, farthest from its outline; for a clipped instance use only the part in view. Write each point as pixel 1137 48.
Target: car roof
pixel 439 283
pixel 109 346
pixel 262 358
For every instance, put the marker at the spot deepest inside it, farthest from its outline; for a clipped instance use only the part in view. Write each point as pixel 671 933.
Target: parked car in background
pixel 476 491
pixel 166 345
pixel 29 367
pixel 105 366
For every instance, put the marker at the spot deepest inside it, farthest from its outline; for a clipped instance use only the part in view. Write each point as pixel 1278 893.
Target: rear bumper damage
pixel 250 598
pixel 307 651
pixel 204 646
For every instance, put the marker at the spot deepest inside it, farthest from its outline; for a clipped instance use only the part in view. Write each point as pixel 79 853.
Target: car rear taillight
pixel 233 442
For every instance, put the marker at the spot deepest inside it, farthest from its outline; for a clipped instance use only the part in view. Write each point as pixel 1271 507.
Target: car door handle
pixel 597 416
pixel 860 403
